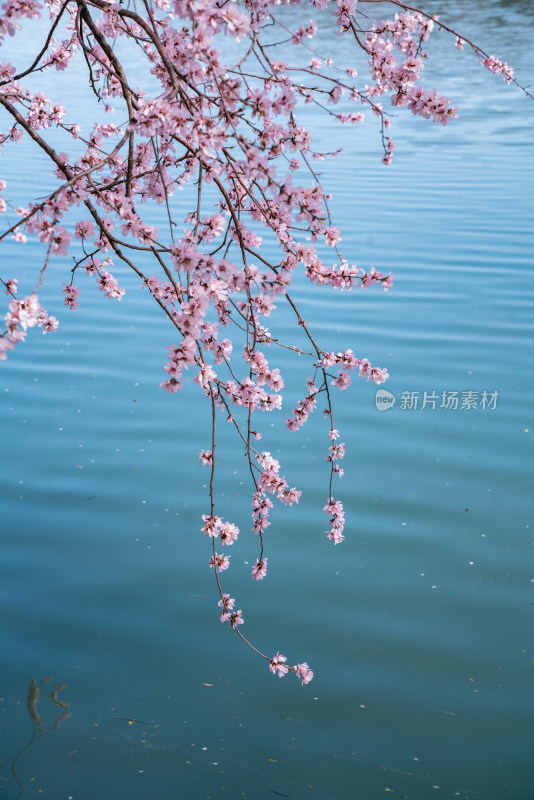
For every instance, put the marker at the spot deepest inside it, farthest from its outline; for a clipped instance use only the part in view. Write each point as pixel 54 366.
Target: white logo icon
pixel 384 400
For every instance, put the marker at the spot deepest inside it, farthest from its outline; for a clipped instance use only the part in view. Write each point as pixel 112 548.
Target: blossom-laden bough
pixel 219 113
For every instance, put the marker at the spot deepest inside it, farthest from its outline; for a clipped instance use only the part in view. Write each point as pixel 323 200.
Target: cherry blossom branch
pixel 230 137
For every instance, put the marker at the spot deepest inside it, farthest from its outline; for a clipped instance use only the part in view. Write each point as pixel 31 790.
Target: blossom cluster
pixel 222 127
pixel 278 666
pixel 22 315
pixel 397 59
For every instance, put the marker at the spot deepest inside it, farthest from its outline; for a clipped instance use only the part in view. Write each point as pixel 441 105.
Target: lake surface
pixel 419 627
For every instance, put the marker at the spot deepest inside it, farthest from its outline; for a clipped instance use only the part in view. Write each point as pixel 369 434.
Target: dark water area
pixel 419 626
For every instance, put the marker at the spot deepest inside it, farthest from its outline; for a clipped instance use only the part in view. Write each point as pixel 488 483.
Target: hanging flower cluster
pixel 223 121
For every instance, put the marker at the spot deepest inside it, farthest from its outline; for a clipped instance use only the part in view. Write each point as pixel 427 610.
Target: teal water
pixel 419 627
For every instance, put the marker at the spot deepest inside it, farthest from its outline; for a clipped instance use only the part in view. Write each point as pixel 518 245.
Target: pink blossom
pixel 206 457
pixel 342 381
pixel 289 496
pixel 50 324
pixel 227 603
pixel 24 312
pixel 379 375
pixel 277 665
pixel 5 345
pixel 237 22
pixel 212 525
pixel 171 386
pixel 304 672
pixel 334 509
pixel 228 533
pixel 7 71
pixel 85 229
pixel 72 294
pixel 236 618
pixel 335 535
pixel 499 68
pixel 108 285
pixel 387 282
pixel 219 562
pixel 332 236
pixel 259 570
pixel 336 451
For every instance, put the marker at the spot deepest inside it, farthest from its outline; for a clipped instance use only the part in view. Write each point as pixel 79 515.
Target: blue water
pixel 418 627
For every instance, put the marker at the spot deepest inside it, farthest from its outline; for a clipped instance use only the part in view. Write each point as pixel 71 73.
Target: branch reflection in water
pixel 38 726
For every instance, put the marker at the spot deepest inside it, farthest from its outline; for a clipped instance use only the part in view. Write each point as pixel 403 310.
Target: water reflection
pixel 38 725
